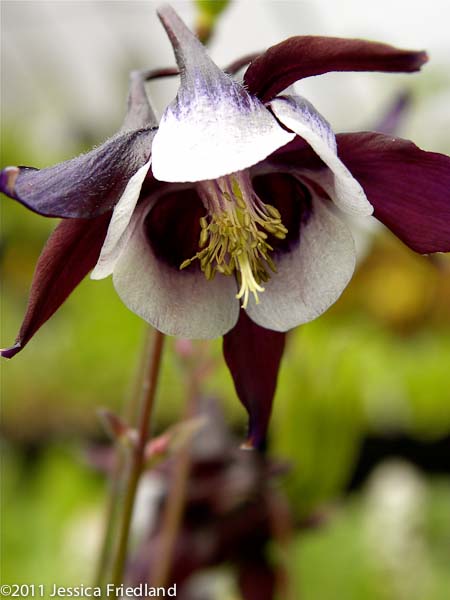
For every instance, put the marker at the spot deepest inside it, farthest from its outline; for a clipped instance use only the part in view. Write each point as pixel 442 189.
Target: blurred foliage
pixel 212 8
pixel 208 12
pixel 50 517
pixel 343 560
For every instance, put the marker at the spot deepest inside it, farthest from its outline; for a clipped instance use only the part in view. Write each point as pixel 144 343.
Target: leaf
pixel 211 8
pixel 208 13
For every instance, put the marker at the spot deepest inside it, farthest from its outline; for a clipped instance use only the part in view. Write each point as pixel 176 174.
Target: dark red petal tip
pixel 253 355
pixel 12 351
pixel 305 56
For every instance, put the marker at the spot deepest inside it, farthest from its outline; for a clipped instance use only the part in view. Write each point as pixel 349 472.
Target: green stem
pixel 116 481
pixel 137 459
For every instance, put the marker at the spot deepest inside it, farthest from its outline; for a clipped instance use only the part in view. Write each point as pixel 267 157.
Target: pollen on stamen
pixel 234 233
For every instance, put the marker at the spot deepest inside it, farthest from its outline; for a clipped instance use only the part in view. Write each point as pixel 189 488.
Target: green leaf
pixel 208 13
pixel 212 8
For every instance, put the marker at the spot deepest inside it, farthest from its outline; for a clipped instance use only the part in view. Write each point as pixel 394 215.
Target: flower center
pixel 234 233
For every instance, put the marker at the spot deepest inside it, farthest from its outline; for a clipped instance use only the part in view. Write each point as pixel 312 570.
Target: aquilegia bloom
pixel 233 200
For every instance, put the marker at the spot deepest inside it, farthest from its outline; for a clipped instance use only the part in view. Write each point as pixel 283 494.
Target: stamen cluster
pixel 234 234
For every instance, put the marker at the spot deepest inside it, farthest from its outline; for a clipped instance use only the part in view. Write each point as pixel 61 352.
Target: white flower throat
pixel 234 233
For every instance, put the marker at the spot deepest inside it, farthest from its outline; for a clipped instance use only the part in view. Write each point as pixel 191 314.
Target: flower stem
pixel 130 416
pixel 137 459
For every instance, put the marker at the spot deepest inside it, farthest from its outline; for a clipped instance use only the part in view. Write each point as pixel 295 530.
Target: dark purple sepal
pixel 253 355
pixel 82 187
pixel 408 187
pixel 240 63
pixel 304 56
pixel 391 121
pixel 70 253
pixel 140 113
pixel 296 155
pixel 150 74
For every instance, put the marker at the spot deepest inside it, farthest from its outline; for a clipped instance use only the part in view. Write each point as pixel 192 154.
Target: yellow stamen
pixel 234 234
pixel 248 282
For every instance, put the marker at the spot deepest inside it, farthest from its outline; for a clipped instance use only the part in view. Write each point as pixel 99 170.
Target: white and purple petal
pixel 182 303
pixel 213 127
pixel 91 184
pixel 311 276
pixel 83 187
pixel 118 231
pixel 300 116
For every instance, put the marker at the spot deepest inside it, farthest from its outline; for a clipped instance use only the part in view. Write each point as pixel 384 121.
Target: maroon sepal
pixel 70 253
pixel 253 355
pixel 408 187
pixel 303 56
pixel 294 155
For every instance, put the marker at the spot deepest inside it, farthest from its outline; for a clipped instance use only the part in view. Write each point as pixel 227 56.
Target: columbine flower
pixel 233 200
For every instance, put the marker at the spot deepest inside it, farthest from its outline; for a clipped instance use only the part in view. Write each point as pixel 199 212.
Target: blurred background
pixel 362 411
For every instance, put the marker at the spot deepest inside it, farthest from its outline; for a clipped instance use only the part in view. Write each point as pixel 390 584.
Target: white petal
pixel 181 303
pixel 364 230
pixel 300 116
pixel 311 277
pixel 213 127
pixel 117 235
